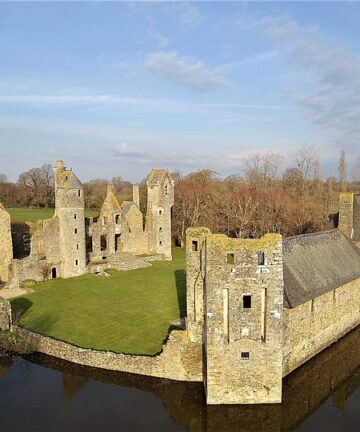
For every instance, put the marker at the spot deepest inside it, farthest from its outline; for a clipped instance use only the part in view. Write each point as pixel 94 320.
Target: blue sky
pixel 117 88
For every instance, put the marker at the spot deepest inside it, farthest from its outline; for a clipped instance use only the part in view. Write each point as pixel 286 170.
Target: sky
pixel 116 88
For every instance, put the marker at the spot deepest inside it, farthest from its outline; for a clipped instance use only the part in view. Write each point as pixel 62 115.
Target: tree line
pixel 265 197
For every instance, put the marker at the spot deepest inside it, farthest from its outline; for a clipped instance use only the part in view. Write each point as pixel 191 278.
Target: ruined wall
pixel 5 314
pixel 6 249
pixel 180 359
pixel 195 276
pixel 243 340
pixel 41 242
pixel 312 326
pixel 346 213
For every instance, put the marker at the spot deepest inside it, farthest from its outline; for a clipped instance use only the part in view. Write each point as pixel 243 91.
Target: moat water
pixel 39 393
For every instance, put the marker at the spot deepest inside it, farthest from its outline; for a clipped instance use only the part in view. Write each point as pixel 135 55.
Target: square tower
pixel 349 215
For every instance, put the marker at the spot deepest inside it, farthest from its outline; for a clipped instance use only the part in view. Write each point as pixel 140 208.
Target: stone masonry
pixel 263 307
pixel 6 248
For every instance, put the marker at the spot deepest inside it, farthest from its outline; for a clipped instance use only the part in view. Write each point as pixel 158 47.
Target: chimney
pixel 136 196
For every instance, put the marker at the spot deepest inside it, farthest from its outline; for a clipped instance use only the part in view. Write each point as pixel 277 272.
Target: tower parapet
pixel 349 215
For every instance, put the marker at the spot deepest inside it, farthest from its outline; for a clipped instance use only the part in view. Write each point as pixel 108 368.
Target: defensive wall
pixel 179 360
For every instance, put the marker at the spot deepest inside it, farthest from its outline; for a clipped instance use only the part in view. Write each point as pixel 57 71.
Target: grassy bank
pixel 35 214
pixel 127 312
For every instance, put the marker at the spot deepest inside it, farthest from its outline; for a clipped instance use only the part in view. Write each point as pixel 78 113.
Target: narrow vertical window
pixel 75 216
pixel 77 246
pixel 160 243
pixel 79 192
pixel 263 313
pixel 261 258
pixel 75 230
pixel 76 262
pixel 247 301
pixel 194 246
pixel 166 189
pixel 226 313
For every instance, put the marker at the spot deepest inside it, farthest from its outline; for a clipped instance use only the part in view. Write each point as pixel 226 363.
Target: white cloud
pixel 328 84
pixel 189 13
pixel 159 39
pixel 185 71
pixel 124 150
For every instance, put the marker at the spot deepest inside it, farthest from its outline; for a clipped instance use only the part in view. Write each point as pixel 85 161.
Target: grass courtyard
pixel 35 214
pixel 130 311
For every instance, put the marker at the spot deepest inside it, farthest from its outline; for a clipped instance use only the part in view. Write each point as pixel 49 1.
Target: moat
pixel 39 393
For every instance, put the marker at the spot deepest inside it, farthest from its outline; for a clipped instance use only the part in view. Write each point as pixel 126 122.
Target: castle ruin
pixel 69 244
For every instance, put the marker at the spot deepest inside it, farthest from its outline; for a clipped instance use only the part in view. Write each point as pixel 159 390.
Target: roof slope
pixel 315 264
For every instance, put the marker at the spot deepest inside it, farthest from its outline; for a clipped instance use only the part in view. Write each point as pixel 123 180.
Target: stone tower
pixel 160 190
pixel 240 311
pixel 70 210
pixel 349 215
pixel 6 248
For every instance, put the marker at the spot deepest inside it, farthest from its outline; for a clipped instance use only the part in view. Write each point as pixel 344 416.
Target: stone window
pixel 160 212
pixel 160 243
pixel 66 178
pixel 166 190
pixel 261 258
pixel 76 262
pixel 230 258
pixel 75 230
pixel 245 355
pixel 79 192
pixel 104 220
pixel 117 241
pixel 103 242
pixel 77 246
pixel 247 301
pixel 160 229
pixel 194 246
pixel 117 219
pixel 75 216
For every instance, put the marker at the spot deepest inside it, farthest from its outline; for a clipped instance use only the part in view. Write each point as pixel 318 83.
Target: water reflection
pixel 83 398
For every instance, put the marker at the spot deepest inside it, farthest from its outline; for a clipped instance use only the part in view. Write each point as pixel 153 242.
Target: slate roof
pixel 156 175
pixel 315 264
pixel 126 206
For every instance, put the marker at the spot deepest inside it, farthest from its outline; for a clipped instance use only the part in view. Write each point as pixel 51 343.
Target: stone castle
pixel 257 309
pixel 260 308
pixel 69 244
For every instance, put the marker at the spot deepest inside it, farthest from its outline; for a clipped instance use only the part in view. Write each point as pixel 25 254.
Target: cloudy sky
pixel 118 88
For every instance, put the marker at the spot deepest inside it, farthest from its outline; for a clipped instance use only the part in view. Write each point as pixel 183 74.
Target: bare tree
pixel 36 187
pixel 356 171
pixel 342 172
pixel 305 157
pixel 262 169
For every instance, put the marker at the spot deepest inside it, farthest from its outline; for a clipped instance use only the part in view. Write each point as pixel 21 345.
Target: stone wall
pixel 346 213
pixel 180 359
pixel 312 326
pixel 5 314
pixel 6 250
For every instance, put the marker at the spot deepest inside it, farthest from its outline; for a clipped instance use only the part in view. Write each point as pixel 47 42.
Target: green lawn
pixel 35 214
pixel 128 312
